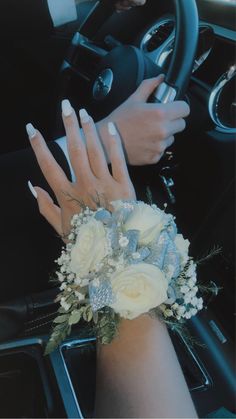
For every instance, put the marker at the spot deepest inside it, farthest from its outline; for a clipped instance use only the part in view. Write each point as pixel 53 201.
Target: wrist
pixel 134 333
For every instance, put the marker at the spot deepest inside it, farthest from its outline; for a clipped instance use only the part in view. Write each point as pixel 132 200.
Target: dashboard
pixel 157 42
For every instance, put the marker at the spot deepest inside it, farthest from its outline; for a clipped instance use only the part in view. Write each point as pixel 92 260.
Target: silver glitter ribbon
pixel 158 250
pixel 114 237
pixel 172 259
pixel 132 236
pixel 164 254
pixel 100 296
pixel 144 252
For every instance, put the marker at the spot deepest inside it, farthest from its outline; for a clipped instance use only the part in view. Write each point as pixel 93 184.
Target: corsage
pixel 122 264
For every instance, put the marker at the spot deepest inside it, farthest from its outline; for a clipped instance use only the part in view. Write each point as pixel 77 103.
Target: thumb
pixel 147 87
pixel 47 208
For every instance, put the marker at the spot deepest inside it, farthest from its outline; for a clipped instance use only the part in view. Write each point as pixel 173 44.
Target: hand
pixel 93 179
pixel 126 4
pixel 146 129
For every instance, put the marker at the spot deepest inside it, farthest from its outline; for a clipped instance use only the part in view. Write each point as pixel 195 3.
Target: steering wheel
pixel 107 78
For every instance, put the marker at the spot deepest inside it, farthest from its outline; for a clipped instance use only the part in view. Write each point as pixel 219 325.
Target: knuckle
pixel 46 166
pixel 163 132
pixel 92 150
pixel 90 190
pixel 186 108
pixel 41 208
pixel 89 184
pixel 153 157
pixel 160 113
pixel 76 151
pixel 156 147
pixel 145 83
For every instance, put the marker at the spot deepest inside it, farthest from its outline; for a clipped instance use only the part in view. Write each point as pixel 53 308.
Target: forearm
pixel 138 374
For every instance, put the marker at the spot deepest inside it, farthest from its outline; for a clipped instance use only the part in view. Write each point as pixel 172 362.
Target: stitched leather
pixel 27 314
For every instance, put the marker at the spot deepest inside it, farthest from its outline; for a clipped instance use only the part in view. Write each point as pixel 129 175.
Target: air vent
pixel 157 35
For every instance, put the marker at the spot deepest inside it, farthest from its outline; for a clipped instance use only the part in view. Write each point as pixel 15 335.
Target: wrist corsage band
pixel 122 264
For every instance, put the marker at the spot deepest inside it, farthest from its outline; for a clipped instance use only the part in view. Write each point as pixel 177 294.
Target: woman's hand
pixel 93 184
pixel 146 129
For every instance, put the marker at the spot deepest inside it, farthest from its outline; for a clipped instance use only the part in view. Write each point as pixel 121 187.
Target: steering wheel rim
pixel 185 46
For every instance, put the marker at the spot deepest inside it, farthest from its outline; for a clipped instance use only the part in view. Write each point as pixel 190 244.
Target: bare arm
pixel 138 374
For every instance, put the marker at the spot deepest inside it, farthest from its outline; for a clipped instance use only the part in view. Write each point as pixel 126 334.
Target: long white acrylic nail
pixel 66 107
pixel 84 116
pixel 31 131
pixel 112 128
pixel 32 190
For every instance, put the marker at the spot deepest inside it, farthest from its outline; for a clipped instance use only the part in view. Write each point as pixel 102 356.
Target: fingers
pixel 168 142
pixel 163 145
pixel 95 151
pixel 178 109
pixel 47 208
pixel 87 158
pixel 51 170
pixel 147 87
pixel 170 111
pixel 156 155
pixel 169 118
pixel 176 126
pixel 76 146
pixel 116 154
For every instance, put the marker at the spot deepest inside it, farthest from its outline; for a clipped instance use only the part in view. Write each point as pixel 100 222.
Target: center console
pixel 63 383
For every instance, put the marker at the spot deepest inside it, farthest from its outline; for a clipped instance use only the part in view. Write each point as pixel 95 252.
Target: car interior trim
pixel 213 105
pixel 221 31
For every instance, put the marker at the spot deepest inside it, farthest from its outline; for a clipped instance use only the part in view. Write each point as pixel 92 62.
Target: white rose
pixel 91 248
pixel 137 289
pixel 148 221
pixel 183 247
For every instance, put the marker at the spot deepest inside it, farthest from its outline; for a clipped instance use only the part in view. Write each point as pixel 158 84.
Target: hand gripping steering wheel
pixel 111 76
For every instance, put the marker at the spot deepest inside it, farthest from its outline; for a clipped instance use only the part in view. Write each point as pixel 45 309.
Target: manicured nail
pixel 84 116
pixel 112 128
pixel 31 131
pixel 32 190
pixel 66 107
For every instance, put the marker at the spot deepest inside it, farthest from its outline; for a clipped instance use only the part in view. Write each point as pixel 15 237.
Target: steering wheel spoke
pixel 83 57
